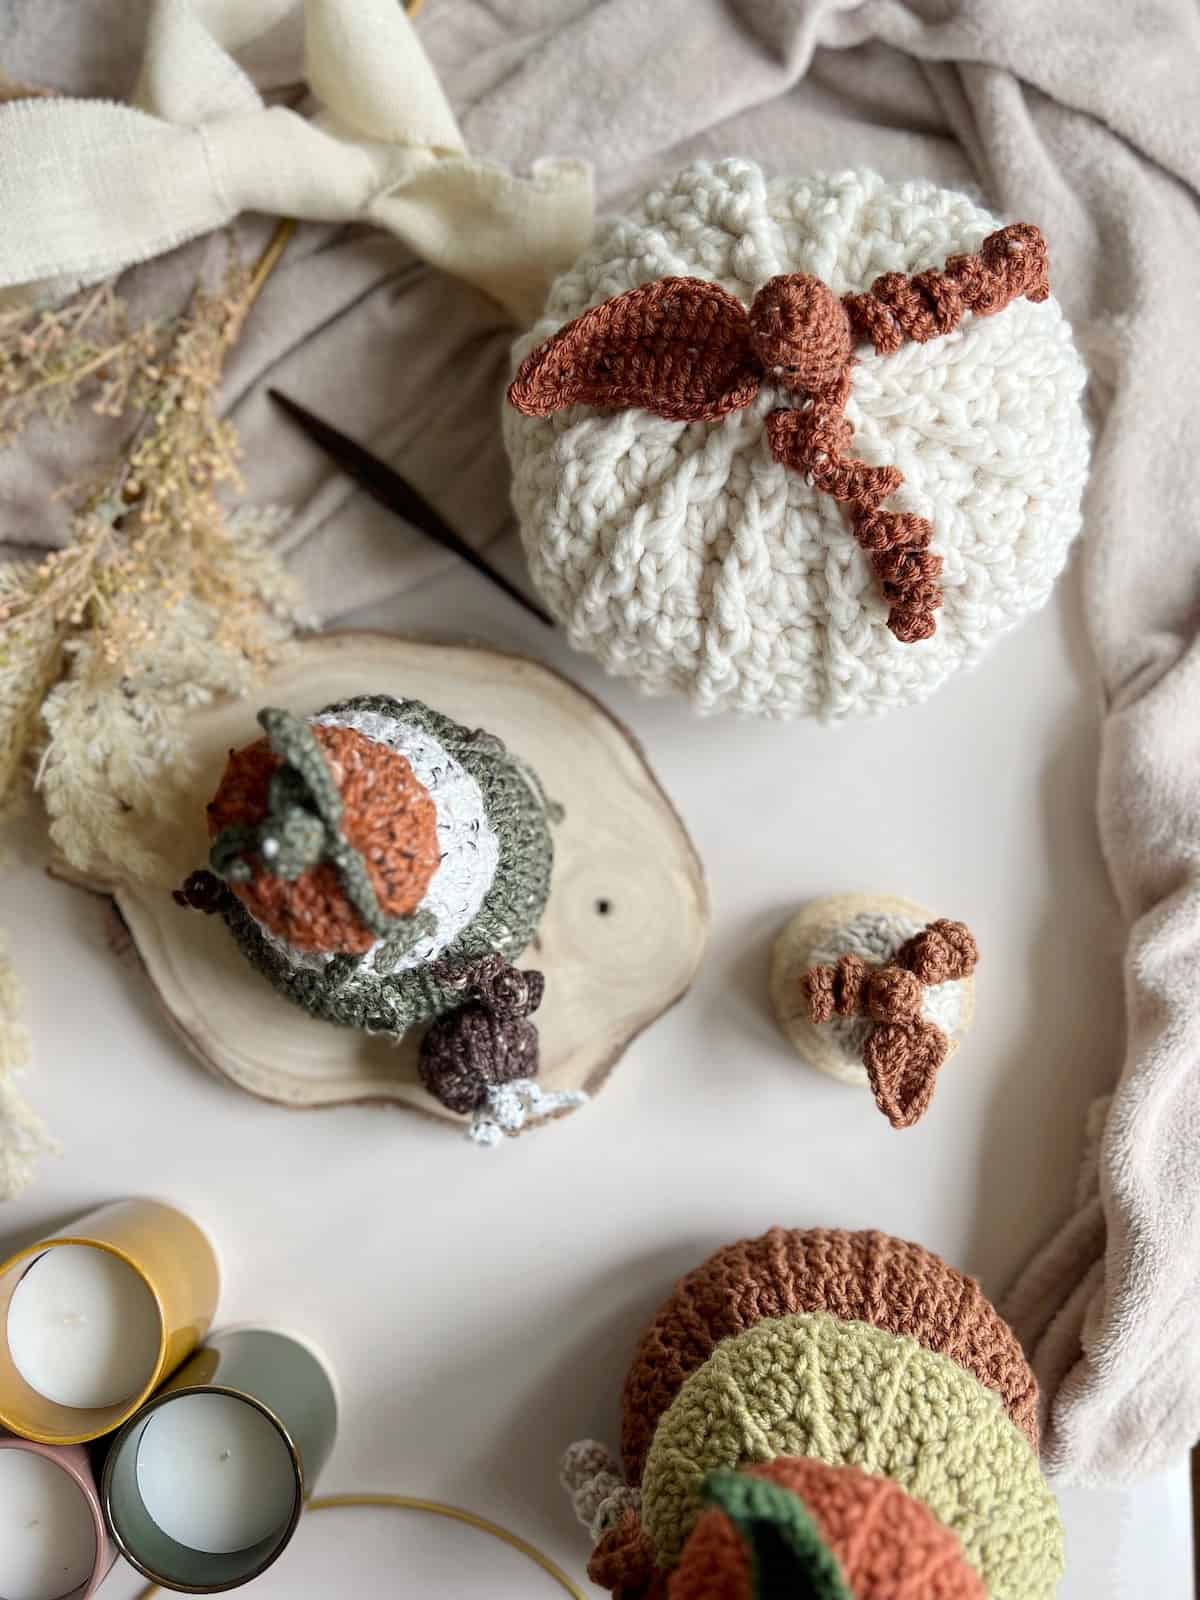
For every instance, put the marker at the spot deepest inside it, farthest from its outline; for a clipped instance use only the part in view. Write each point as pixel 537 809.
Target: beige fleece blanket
pixel 1081 116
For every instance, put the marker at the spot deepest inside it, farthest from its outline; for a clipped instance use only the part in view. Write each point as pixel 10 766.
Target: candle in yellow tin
pixel 92 1320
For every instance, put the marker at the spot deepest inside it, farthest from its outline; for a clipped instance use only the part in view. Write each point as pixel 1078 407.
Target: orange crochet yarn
pixel 865 1277
pixel 389 818
pixel 888 1545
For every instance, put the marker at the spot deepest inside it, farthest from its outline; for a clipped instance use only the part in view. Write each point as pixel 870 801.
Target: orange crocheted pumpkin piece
pixel 389 819
pixel 888 1545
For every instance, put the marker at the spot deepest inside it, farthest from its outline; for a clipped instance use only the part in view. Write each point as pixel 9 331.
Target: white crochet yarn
pixel 507 1107
pixel 684 556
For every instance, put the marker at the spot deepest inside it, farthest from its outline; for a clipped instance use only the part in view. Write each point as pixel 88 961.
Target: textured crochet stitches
pixel 887 1545
pixel 903 1048
pixel 391 823
pixel 883 1404
pixel 845 1392
pixel 494 824
pixel 867 1277
pixel 684 349
pixel 684 556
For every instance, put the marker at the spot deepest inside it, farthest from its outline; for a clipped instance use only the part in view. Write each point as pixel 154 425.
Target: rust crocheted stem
pixel 853 988
pixel 903 1053
pixel 688 350
pixel 815 439
pixel 863 1277
pixel 1010 263
pixel 941 952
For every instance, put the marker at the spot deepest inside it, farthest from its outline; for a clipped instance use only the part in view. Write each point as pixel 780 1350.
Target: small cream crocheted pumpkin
pixel 688 556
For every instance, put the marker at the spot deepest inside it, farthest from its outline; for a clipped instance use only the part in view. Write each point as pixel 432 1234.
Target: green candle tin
pixel 204 1487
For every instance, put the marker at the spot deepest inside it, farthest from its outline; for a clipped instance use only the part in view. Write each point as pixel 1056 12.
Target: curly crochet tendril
pixel 687 350
pixel 903 1052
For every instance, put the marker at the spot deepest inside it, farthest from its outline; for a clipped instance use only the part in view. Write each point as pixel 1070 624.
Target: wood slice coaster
pixel 623 933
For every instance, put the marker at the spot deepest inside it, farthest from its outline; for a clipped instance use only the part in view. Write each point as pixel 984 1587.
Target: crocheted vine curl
pixel 903 1051
pixel 688 350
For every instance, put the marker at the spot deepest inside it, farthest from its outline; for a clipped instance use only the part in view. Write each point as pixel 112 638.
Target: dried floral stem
pixel 269 259
pixel 161 602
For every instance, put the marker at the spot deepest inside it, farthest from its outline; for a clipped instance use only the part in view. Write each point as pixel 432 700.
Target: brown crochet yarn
pixel 486 1042
pixel 893 994
pixel 801 331
pixel 902 1061
pixel 688 350
pixel 904 1053
pixel 865 1277
pixel 835 991
pixel 1010 263
pixel 623 1562
pixel 888 1545
pixel 941 952
pixel 686 340
pixel 389 818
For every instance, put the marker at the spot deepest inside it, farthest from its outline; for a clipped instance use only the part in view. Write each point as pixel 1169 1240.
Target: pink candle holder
pixel 72 1460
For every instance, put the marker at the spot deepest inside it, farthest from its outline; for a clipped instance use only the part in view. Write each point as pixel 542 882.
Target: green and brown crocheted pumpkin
pixel 382 865
pixel 823 1413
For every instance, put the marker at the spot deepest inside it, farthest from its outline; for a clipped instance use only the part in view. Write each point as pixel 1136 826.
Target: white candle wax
pixel 214 1473
pixel 83 1328
pixel 47 1537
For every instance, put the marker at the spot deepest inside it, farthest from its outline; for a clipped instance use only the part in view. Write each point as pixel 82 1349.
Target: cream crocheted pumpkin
pixel 684 555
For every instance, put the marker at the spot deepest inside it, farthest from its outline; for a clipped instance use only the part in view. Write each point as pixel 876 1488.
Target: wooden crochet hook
pixel 386 485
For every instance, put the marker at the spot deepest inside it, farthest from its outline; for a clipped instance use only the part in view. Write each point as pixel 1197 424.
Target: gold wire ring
pixel 436 1508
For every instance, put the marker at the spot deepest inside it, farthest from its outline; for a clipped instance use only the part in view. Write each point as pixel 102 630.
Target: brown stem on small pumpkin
pixel 903 1051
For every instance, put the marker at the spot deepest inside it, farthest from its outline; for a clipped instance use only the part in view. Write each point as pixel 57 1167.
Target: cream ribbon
pixel 88 187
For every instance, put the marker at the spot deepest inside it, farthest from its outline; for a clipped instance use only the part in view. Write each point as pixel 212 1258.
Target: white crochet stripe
pixel 686 558
pixel 470 849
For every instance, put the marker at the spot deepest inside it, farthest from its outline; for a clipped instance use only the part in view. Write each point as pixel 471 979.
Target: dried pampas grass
pixel 162 600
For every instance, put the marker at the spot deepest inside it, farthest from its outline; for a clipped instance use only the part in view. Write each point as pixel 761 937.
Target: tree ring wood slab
pixel 813 926
pixel 623 933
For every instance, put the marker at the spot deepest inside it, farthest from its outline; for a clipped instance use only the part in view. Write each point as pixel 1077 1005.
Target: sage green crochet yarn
pixel 844 1392
pixel 361 994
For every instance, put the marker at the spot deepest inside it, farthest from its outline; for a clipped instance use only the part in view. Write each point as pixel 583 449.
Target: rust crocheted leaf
pixel 902 1062
pixel 679 347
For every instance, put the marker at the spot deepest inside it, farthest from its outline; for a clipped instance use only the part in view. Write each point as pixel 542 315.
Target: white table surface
pixel 480 1307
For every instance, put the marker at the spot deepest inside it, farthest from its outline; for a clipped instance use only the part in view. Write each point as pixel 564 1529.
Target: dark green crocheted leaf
pixel 788 1558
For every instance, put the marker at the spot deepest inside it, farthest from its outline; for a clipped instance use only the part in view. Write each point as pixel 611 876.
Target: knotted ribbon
pixel 88 187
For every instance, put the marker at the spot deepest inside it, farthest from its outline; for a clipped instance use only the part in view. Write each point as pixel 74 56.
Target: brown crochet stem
pixel 1009 263
pixel 903 1052
pixel 687 350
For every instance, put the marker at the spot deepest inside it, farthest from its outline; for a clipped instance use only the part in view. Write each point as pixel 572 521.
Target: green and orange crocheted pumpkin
pixel 823 1415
